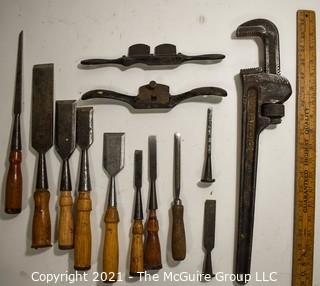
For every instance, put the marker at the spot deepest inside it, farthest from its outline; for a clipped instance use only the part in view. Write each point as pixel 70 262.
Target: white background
pixel 64 32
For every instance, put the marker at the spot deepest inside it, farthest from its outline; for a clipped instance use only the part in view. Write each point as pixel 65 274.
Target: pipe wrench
pixel 264 92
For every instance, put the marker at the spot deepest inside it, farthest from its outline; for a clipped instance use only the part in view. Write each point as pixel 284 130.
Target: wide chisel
pixel 113 162
pixel 209 235
pixel 13 198
pixel 42 139
pixel 136 259
pixel 82 235
pixel 152 254
pixel 65 138
pixel 178 241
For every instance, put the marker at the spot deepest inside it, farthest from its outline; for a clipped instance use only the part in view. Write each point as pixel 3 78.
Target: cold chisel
pixel 13 198
pixel 209 235
pixel 152 254
pixel 136 257
pixel 42 139
pixel 82 235
pixel 65 143
pixel 113 162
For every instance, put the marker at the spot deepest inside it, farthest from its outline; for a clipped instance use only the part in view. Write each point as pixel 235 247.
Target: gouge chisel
pixel 42 139
pixel 152 255
pixel 82 235
pixel 65 143
pixel 136 258
pixel 13 198
pixel 113 162
pixel 178 241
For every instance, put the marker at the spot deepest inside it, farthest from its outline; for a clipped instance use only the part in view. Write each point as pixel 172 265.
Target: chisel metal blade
pixel 153 157
pixel 138 169
pixel 113 152
pixel 18 86
pixel 84 127
pixel 65 128
pixel 177 164
pixel 209 224
pixel 42 107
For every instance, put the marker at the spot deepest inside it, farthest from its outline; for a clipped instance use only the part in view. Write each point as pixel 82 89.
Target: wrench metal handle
pixel 249 158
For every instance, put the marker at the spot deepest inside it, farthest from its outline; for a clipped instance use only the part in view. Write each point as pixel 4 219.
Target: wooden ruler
pixel 302 271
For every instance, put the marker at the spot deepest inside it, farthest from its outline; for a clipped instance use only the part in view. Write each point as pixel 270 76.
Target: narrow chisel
pixel 13 198
pixel 152 255
pixel 82 235
pixel 136 259
pixel 42 139
pixel 65 138
pixel 209 234
pixel 178 241
pixel 113 162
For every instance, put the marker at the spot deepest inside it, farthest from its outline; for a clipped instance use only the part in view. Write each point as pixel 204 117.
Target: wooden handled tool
pixel 113 162
pixel 65 138
pixel 82 235
pixel 209 234
pixel 152 254
pixel 305 173
pixel 178 241
pixel 42 139
pixel 136 258
pixel 13 198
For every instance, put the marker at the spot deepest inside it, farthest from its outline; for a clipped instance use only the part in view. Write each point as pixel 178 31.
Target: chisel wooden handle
pixel 152 255
pixel 82 236
pixel 65 240
pixel 136 259
pixel 111 245
pixel 178 241
pixel 41 225
pixel 14 183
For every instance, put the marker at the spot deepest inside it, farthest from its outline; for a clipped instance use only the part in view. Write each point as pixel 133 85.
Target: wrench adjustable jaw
pixel 264 92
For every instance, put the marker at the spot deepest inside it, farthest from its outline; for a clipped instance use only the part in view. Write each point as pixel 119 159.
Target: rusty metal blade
pixel 177 164
pixel 153 157
pixel 65 128
pixel 18 85
pixel 209 224
pixel 113 152
pixel 138 169
pixel 42 107
pixel 84 127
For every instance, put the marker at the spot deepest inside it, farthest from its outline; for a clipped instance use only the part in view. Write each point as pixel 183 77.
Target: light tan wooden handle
pixel 136 259
pixel 111 245
pixel 41 224
pixel 65 240
pixel 82 236
pixel 152 254
pixel 14 184
pixel 178 242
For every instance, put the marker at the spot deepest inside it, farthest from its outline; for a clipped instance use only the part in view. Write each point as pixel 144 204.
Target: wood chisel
pixel 113 162
pixel 178 240
pixel 13 199
pixel 65 143
pixel 305 172
pixel 136 257
pixel 42 139
pixel 152 254
pixel 82 235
